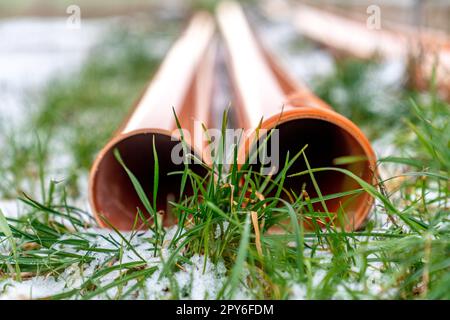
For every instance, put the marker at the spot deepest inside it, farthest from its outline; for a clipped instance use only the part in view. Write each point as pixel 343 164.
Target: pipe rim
pixel 107 148
pixel 360 216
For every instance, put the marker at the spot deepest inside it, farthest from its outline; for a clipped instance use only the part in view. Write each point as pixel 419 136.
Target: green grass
pixel 404 249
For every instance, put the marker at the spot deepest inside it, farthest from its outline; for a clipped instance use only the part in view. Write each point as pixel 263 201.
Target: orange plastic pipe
pixel 183 82
pixel 265 91
pixel 423 48
pixel 349 36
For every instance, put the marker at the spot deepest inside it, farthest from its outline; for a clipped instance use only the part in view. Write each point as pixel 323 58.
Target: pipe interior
pixel 326 142
pixel 114 195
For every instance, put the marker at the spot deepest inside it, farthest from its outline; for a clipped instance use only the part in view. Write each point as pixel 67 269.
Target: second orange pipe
pixel 264 91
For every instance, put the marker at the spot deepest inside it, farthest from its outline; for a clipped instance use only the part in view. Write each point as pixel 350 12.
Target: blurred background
pixel 430 13
pixel 71 70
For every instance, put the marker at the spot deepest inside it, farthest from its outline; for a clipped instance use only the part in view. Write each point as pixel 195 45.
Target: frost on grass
pixel 197 279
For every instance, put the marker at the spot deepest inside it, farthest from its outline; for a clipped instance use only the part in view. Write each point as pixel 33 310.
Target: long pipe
pixel 265 91
pixel 183 82
pixel 422 49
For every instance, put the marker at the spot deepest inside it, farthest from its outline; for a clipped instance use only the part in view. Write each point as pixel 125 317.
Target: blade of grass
pixel 236 272
pixel 5 229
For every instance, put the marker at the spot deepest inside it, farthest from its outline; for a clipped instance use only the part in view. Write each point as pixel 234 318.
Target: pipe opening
pixel 326 142
pixel 114 196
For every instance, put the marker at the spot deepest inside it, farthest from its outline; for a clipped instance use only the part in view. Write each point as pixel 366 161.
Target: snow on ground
pixel 192 281
pixel 10 208
pixel 32 51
